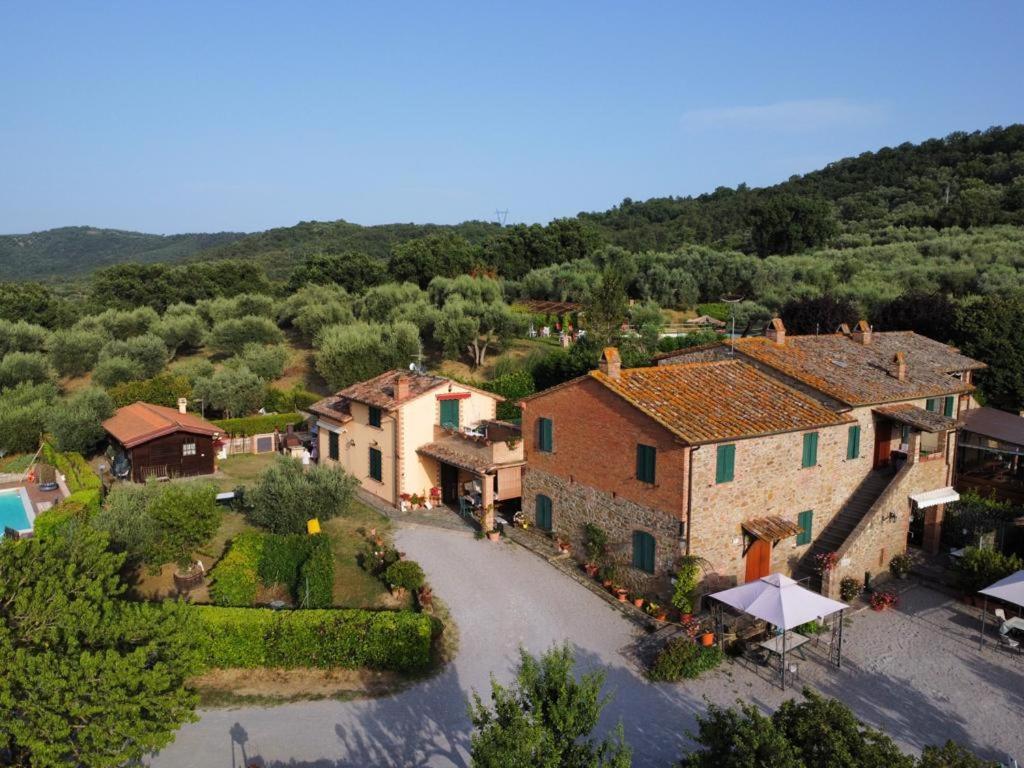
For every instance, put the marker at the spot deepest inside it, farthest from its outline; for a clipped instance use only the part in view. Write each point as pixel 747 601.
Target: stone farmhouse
pixel 757 455
pixel 404 434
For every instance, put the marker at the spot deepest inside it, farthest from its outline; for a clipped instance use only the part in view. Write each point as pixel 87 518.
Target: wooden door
pixel 449 484
pixel 759 560
pixel 883 443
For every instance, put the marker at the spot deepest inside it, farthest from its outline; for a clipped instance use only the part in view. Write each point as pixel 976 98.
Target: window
pixel 853 442
pixel 450 414
pixel 810 457
pixel 950 407
pixel 643 551
pixel 725 463
pixel 905 435
pixel 545 430
pixel 376 460
pixel 374 416
pixel 806 522
pixel 931 404
pixel 543 512
pixel 188 448
pixel 645 460
pixel 332 446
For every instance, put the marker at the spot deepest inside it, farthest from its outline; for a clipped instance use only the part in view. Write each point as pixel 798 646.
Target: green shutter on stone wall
pixel 853 442
pixel 376 462
pixel 805 520
pixel 643 551
pixel 645 460
pixel 725 463
pixel 545 435
pixel 810 457
pixel 543 510
pixel 950 406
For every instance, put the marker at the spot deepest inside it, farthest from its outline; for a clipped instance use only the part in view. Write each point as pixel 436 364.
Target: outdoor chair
pixel 793 671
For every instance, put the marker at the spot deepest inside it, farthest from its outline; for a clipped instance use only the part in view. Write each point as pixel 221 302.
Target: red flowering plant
pixel 883 599
pixel 825 561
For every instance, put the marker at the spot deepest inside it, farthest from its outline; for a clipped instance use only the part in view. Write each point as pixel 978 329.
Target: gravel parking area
pixel 916 672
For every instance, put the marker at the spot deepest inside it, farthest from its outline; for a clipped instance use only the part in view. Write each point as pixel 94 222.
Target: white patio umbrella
pixel 781 601
pixel 1010 589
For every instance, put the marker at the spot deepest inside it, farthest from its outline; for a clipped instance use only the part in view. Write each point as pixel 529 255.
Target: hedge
pixel 256 559
pixel 259 425
pixel 78 475
pixel 683 659
pixel 347 638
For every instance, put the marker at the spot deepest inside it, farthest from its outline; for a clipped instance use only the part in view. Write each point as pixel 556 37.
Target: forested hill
pixel 77 251
pixel 965 179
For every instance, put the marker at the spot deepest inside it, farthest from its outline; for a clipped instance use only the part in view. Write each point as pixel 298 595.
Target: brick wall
pixel 573 505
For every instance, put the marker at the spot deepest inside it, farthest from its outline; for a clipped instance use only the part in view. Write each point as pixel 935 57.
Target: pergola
pixel 782 602
pixel 1010 590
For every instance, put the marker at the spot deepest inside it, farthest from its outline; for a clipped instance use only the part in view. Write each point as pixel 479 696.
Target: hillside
pixel 77 251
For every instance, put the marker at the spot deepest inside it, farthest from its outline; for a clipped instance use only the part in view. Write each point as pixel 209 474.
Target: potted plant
pixel 849 588
pixel 435 494
pixel 621 593
pixel 686 581
pixel 707 639
pixel 493 535
pixel 564 545
pixel 825 561
pixel 655 611
pixel 638 601
pixel 883 599
pixel 591 569
pixel 899 565
pixel 606 574
pixel 595 543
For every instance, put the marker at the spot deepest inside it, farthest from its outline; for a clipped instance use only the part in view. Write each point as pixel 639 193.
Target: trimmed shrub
pixel 283 556
pixel 66 513
pixel 683 659
pixel 325 639
pixel 315 585
pixel 405 574
pixel 288 401
pixel 286 495
pixel 978 568
pixel 79 475
pixel 235 579
pixel 258 425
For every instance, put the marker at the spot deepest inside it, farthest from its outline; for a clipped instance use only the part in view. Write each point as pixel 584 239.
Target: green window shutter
pixel 450 413
pixel 545 430
pixel 332 446
pixel 643 551
pixel 931 404
pixel 853 442
pixel 725 463
pixel 376 470
pixel 645 461
pixel 374 416
pixel 810 457
pixel 543 510
pixel 950 406
pixel 805 520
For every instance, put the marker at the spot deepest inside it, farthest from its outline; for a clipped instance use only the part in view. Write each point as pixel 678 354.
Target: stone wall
pixel 574 504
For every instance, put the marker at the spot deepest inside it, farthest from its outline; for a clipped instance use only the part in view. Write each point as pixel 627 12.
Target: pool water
pixel 13 511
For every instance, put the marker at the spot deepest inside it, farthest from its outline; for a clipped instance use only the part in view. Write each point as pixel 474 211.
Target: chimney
pixel 900 366
pixel 776 331
pixel 610 364
pixel 402 387
pixel 182 405
pixel 862 333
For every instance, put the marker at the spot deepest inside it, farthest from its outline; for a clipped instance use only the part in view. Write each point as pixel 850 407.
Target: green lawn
pixel 354 587
pixel 242 469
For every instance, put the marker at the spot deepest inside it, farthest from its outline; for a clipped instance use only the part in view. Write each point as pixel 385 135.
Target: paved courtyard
pixel 915 672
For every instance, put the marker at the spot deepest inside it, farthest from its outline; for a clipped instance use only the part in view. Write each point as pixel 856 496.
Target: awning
pixel 772 528
pixel 931 498
pixel 1010 589
pixel 779 600
pixel 918 418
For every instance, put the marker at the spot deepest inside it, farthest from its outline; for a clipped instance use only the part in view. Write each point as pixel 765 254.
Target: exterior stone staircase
pixel 836 532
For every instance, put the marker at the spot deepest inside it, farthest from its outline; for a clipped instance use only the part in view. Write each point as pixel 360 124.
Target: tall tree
pixel 473 316
pixel 989 330
pixel 354 271
pixel 443 254
pixel 818 314
pixel 90 679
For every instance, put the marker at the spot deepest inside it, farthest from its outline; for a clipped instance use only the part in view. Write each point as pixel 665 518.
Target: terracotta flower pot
pixel 707 639
pixel 606 583
pixel 591 569
pixel 638 602
pixel 493 535
pixel 662 616
pixel 621 594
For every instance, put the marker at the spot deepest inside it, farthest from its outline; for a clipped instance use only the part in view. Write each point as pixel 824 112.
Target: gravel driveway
pixel 503 597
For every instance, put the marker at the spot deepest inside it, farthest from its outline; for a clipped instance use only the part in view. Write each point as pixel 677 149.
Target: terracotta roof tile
pixel 919 418
pixel 771 528
pixel 862 374
pixel 141 422
pixel 716 401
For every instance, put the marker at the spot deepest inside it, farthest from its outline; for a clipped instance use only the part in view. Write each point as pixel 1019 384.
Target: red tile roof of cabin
pixel 141 422
pixel 718 401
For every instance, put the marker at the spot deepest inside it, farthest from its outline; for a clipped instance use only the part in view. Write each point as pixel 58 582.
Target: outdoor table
pixel 793 641
pixel 1011 625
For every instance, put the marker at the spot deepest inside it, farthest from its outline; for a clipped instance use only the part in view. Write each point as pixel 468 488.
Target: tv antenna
pixel 732 301
pixel 417 366
pixel 501 215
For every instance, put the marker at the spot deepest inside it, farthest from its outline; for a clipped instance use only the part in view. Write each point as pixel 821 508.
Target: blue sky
pixel 181 116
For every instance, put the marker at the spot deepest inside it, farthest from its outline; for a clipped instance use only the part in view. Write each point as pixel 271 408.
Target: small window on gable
pixel 545 435
pixel 188 448
pixel 725 463
pixel 450 413
pixel 931 404
pixel 646 456
pixel 374 416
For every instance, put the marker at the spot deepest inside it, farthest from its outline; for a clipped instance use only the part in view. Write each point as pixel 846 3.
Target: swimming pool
pixel 16 510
